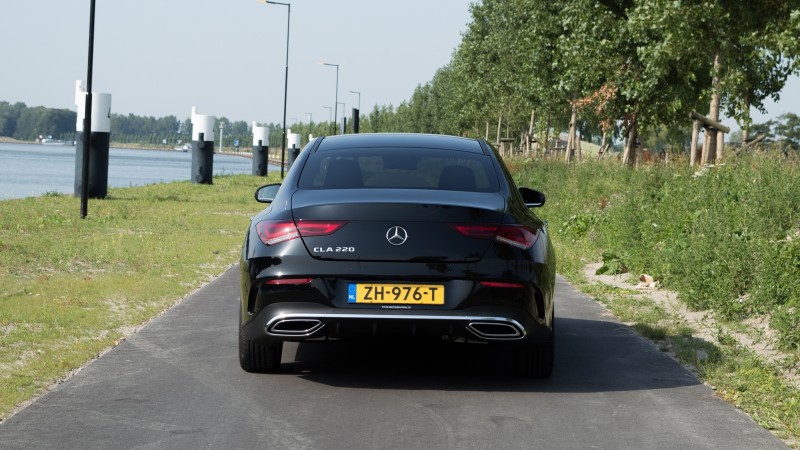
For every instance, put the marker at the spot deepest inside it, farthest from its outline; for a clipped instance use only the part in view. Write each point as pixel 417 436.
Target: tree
pixel 788 128
pixel 509 63
pixel 752 65
pixel 9 115
pixel 41 121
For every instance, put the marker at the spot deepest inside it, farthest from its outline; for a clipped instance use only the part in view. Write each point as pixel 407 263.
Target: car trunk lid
pixel 397 224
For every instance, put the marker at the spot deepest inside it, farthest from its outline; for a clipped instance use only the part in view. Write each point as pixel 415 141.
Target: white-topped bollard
pixel 293 142
pixel 202 148
pixel 260 150
pixel 98 142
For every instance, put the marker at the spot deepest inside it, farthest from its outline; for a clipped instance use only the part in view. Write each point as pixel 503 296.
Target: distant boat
pixel 49 141
pixel 183 148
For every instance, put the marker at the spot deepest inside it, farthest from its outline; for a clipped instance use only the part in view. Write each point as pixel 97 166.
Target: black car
pixel 398 235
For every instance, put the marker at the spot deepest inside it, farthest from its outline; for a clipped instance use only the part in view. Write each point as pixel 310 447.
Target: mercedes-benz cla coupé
pixel 405 236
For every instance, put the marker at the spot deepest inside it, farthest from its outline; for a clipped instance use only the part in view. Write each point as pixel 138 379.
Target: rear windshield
pixel 399 168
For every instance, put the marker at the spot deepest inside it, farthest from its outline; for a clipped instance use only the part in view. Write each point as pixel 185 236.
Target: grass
pixel 71 288
pixel 727 240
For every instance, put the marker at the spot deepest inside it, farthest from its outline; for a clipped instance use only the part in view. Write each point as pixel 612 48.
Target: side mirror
pixel 267 193
pixel 531 197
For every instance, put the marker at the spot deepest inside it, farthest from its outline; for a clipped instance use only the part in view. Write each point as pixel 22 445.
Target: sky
pixel 788 102
pixel 227 58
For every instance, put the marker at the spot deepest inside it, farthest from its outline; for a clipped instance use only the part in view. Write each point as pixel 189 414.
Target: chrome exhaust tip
pixel 294 327
pixel 495 330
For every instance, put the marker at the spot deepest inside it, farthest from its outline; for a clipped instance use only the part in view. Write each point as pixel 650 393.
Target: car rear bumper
pixel 301 321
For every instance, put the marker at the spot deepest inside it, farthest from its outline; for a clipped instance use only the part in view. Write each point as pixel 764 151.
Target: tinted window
pixel 399 168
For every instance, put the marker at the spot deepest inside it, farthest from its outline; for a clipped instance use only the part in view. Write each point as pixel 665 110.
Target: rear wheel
pixel 259 358
pixel 535 361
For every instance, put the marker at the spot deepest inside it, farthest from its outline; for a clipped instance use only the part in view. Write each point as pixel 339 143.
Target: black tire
pixel 535 361
pixel 259 358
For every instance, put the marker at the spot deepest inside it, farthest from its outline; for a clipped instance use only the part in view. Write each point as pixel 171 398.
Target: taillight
pixel 499 284
pixel 477 231
pixel 289 281
pixel 318 228
pixel 274 232
pixel 519 236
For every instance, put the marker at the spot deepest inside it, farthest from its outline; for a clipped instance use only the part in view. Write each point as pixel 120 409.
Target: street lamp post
pixel 344 113
pixel 221 131
pixel 336 101
pixel 330 112
pixel 87 120
pixel 310 118
pixel 286 77
pixel 359 98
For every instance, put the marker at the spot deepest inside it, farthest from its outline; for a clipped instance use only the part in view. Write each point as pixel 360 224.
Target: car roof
pixel 406 140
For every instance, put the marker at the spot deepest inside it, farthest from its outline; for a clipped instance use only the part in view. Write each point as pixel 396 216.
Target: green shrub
pixel 725 238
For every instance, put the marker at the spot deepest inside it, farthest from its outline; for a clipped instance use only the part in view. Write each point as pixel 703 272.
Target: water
pixel 28 170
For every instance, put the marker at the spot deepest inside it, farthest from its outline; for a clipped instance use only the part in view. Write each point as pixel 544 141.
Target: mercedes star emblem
pixel 397 235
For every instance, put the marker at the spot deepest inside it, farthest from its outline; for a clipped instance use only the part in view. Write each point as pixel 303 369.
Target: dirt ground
pixel 759 337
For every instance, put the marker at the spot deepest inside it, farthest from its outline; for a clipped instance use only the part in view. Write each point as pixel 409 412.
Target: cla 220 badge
pixel 334 249
pixel 397 235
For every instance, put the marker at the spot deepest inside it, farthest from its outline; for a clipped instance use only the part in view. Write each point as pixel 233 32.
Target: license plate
pixel 397 294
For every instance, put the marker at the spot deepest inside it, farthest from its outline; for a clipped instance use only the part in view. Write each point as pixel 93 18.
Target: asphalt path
pixel 177 384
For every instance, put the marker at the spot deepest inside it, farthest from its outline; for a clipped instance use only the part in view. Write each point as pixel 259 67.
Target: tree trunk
pixel 713 110
pixel 602 145
pixel 629 158
pixel 546 136
pixel 530 127
pixel 530 134
pixel 573 121
pixel 499 122
pixel 693 150
pixel 746 127
pixel 567 147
